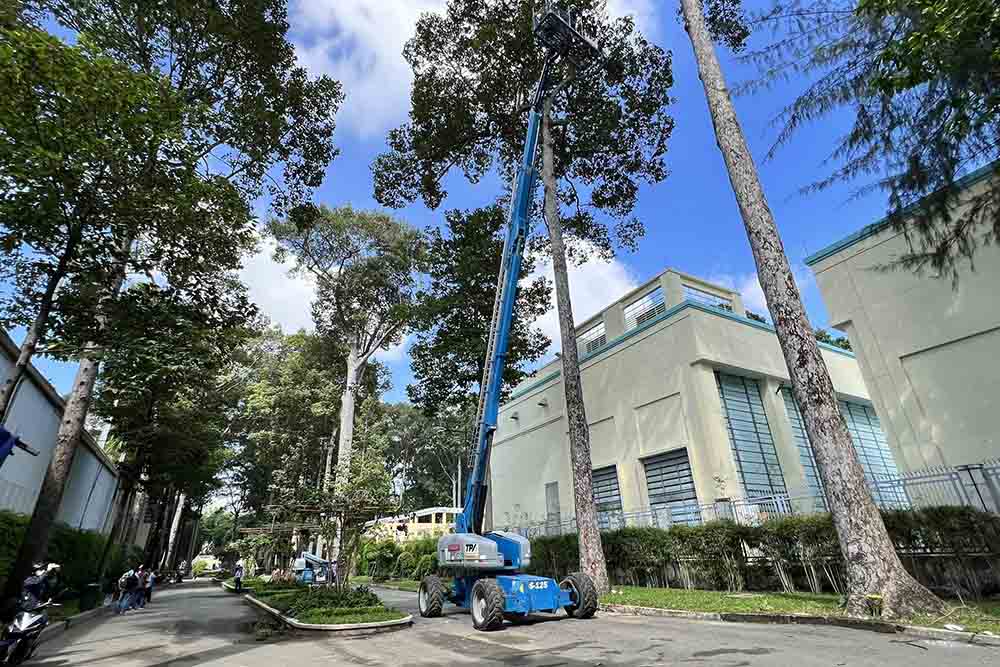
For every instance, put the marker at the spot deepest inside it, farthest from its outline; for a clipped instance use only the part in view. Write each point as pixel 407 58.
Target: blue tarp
pixel 7 442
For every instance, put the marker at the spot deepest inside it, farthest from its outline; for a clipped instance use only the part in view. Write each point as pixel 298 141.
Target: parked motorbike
pixel 20 637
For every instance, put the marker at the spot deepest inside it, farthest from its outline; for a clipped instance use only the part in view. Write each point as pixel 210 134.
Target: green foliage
pixel 381 557
pixel 253 114
pixel 823 336
pixel 325 596
pixel 920 79
pixel 426 451
pixel 475 64
pixel 405 564
pixel 797 548
pixel 77 551
pixel 199 568
pixel 365 264
pixel 457 309
pixel 336 615
pixel 727 22
pixel 426 564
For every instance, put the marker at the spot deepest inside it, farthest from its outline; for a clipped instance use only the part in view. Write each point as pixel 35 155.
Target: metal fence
pixel 976 486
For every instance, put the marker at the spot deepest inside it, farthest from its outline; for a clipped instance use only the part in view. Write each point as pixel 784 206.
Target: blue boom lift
pixel 488 566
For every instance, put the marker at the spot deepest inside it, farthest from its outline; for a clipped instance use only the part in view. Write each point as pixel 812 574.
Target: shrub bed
pixel 327 605
pixel 953 550
pixel 78 551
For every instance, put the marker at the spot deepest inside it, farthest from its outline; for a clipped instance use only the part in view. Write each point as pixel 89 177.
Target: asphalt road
pixel 198 624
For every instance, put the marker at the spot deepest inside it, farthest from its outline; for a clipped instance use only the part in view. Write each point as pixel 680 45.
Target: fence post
pixel 723 508
pixel 990 479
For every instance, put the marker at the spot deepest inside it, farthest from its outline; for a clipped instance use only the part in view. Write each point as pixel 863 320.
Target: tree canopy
pixel 454 316
pixel 475 67
pixel 920 79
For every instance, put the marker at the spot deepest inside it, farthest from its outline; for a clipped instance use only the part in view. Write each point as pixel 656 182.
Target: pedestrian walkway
pixel 198 624
pixel 193 623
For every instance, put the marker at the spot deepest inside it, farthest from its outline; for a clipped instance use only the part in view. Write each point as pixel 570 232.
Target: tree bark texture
pixel 874 571
pixel 175 527
pixel 591 550
pixel 347 408
pixel 118 528
pixel 38 326
pixel 36 536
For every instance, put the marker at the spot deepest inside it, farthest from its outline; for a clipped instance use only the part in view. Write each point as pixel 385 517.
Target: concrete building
pixel 35 416
pixel 929 351
pixel 688 402
pixel 427 522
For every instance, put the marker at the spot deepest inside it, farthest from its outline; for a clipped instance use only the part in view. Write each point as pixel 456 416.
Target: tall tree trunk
pixel 36 536
pixel 151 551
pixel 175 527
pixel 591 550
pixel 118 529
pixel 347 408
pixel 37 330
pixel 194 549
pixel 873 568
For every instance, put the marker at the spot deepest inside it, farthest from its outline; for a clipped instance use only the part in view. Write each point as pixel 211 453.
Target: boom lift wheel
pixel 583 593
pixel 430 599
pixel 487 605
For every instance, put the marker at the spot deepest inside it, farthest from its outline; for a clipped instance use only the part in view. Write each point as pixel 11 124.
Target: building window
pixel 707 298
pixel 670 485
pixel 593 339
pixel 750 436
pixel 806 456
pixel 644 309
pixel 869 443
pixel 607 495
pixel 873 450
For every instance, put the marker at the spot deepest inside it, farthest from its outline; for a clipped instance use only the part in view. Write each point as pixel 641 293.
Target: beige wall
pixel 648 393
pixel 929 351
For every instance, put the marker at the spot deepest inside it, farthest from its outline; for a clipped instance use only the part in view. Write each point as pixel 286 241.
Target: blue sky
pixel 691 218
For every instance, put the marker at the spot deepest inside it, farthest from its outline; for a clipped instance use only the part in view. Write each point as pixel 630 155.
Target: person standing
pixel 128 583
pixel 238 576
pixel 150 580
pixel 140 591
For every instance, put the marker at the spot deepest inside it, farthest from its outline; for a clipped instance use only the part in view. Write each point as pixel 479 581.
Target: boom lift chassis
pixel 488 566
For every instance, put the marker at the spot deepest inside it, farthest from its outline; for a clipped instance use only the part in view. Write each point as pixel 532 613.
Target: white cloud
pixel 593 286
pixel 395 353
pixel 286 299
pixel 360 43
pixel 642 11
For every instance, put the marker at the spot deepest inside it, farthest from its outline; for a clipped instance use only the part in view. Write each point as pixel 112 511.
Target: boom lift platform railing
pixel 487 566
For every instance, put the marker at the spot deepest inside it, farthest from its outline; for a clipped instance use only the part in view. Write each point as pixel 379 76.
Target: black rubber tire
pixel 430 597
pixel 489 593
pixel 584 595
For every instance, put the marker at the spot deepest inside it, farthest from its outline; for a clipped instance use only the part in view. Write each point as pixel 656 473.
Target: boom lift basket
pixel 556 30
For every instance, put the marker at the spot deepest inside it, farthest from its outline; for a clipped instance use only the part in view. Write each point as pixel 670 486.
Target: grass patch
pixel 721 602
pixel 973 616
pixel 280 600
pixel 401 584
pixel 335 615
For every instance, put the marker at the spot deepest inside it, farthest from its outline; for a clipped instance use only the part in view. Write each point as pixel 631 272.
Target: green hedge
pixel 78 551
pixel 952 549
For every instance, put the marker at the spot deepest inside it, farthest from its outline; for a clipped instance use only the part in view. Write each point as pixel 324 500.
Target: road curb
pixel 392 588
pixel 803 619
pixel 374 627
pixel 59 627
